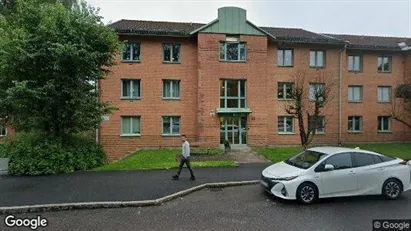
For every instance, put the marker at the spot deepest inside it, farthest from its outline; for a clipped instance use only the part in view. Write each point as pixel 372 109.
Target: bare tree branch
pixel 309 105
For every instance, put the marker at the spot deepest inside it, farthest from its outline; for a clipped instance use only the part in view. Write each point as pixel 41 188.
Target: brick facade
pixel 200 72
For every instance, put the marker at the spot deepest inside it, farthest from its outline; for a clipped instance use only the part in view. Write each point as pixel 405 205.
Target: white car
pixel 323 172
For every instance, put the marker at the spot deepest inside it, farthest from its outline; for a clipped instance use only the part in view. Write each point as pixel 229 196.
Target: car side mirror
pixel 328 167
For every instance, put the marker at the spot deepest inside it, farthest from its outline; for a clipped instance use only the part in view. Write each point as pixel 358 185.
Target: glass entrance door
pixel 233 129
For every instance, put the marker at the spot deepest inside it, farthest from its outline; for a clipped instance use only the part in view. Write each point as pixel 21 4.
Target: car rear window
pixel 377 159
pixel 386 158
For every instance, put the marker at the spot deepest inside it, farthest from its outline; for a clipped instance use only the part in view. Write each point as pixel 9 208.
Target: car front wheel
pixel 307 193
pixel 392 189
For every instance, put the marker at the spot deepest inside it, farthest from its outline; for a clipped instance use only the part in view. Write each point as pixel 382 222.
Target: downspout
pixel 340 86
pixel 98 99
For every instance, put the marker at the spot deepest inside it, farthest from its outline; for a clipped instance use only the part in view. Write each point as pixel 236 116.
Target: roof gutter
pixel 340 86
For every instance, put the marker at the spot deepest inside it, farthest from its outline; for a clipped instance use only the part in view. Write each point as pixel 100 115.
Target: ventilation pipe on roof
pixel 340 86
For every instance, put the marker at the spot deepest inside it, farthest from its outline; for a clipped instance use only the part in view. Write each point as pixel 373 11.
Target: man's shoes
pixel 175 177
pixel 192 178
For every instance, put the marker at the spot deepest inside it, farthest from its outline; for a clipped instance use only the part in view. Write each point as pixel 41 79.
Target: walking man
pixel 185 159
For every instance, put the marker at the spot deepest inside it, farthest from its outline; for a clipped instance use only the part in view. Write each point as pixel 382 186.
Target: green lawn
pixel 158 159
pixel 279 153
pixel 400 150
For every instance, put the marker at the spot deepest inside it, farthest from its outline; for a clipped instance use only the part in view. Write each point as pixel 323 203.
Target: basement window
pixel 3 131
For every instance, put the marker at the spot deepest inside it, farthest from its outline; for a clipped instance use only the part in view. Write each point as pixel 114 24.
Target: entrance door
pixel 233 129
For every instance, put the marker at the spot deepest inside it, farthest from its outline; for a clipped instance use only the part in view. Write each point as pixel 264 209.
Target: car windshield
pixel 305 159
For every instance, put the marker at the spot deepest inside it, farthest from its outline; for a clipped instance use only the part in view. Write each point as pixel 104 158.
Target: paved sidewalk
pixel 113 185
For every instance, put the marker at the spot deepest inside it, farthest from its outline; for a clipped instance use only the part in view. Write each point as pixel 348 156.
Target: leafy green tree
pixel 8 6
pixel 48 57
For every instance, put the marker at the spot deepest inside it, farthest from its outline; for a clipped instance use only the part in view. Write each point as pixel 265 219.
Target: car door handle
pixel 352 173
pixel 381 169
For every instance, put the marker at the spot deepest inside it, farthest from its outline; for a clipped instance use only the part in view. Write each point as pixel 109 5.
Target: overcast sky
pixel 362 17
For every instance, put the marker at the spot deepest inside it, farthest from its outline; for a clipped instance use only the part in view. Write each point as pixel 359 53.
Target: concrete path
pixel 113 185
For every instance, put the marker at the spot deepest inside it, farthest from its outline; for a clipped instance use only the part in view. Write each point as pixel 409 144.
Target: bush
pixel 39 154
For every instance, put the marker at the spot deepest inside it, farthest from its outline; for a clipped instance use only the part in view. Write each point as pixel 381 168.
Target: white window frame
pixel 389 121
pixel 238 97
pixel 382 57
pixel 172 83
pixel 284 89
pixel 224 44
pixel 171 126
pixel 316 65
pixel 284 118
pixel 171 52
pixel 315 87
pixel 351 92
pixel 360 68
pixel 131 88
pixel 131 125
pixel 281 51
pixel 381 94
pixel 353 123
pixel 132 53
pixel 2 128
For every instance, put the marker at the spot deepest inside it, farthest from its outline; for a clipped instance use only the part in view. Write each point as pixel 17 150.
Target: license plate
pixel 263 183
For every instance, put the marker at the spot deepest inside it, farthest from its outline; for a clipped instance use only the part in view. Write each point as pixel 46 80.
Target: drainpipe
pixel 340 86
pixel 98 99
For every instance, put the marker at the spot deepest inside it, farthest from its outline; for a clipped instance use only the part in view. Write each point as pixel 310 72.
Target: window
pixel 363 159
pixel 171 89
pixel 130 89
pixel 320 128
pixel 130 125
pixel 285 57
pixel 285 124
pixel 3 131
pixel 232 94
pixel 131 52
pixel 305 159
pixel 377 159
pixel 317 58
pixel 233 51
pixel 384 123
pixel 316 91
pixel 354 93
pixel 355 63
pixel 285 91
pixel 386 158
pixel 339 161
pixel 171 125
pixel 354 123
pixel 172 53
pixel 384 64
pixel 384 94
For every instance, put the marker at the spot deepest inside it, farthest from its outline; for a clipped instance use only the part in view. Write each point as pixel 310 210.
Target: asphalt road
pixel 114 185
pixel 235 208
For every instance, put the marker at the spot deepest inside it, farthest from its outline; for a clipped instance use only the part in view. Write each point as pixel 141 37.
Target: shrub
pixel 39 154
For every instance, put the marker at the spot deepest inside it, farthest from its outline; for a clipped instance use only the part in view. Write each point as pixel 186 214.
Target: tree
pixel 48 55
pixel 400 108
pixel 9 6
pixel 308 108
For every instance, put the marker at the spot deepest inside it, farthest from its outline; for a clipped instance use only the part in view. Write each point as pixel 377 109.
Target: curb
pixel 117 204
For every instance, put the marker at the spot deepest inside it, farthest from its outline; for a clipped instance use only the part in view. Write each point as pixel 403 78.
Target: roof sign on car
pixel 357 148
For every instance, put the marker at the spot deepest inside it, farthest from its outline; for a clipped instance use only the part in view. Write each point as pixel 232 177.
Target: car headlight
pixel 284 178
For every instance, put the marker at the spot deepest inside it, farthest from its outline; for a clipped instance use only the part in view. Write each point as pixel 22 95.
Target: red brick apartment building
pixel 228 79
